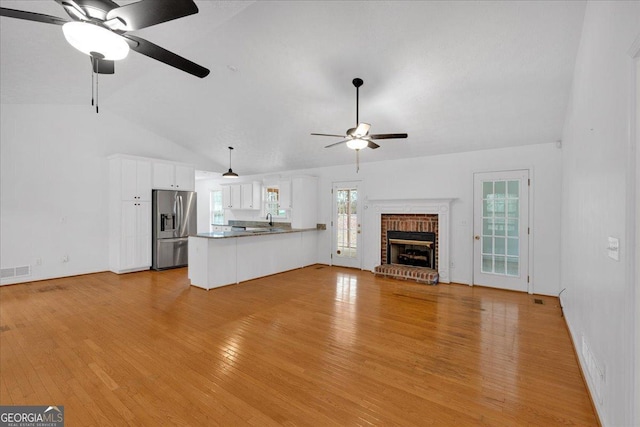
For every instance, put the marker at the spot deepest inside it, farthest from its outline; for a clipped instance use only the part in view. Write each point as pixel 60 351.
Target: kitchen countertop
pixel 254 232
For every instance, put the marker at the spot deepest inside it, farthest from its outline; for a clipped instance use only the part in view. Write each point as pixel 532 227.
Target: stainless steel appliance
pixel 174 219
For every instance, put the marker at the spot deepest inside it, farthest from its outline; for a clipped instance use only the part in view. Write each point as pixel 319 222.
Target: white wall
pixel 596 166
pixel 54 176
pixel 451 176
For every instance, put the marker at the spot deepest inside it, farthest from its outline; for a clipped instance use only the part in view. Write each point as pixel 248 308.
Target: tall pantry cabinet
pixel 130 214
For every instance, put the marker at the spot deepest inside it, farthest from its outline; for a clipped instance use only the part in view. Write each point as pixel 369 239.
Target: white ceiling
pixel 456 76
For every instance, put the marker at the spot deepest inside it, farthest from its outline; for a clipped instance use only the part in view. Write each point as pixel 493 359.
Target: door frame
pixel 360 239
pixel 530 257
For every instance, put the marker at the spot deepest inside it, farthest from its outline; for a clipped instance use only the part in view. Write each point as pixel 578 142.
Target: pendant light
pixel 230 173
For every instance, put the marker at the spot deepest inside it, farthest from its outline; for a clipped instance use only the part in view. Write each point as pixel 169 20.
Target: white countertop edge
pixel 233 234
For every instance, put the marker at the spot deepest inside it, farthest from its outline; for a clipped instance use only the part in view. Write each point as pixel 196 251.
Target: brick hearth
pixel 407 272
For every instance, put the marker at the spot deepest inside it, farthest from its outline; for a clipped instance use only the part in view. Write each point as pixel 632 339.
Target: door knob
pixel 477 237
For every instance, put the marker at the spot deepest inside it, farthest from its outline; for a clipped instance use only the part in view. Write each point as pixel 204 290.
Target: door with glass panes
pixel 501 230
pixel 346 229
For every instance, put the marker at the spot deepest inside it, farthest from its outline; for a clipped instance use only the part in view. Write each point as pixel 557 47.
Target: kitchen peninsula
pixel 222 258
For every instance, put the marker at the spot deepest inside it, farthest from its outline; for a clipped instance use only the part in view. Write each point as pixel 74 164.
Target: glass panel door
pixel 501 229
pixel 346 225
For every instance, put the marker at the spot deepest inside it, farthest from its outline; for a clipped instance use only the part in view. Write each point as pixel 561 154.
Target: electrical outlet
pixel 65 258
pixel 452 265
pixel 613 248
pixel 38 261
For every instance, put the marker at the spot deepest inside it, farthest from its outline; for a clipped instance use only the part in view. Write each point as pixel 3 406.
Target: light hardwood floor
pixel 318 346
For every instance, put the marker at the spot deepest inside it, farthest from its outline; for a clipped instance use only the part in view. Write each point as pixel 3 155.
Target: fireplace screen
pixel 411 248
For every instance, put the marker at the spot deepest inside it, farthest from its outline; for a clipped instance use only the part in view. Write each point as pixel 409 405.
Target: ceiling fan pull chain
pixel 92 85
pixel 357 161
pixel 97 75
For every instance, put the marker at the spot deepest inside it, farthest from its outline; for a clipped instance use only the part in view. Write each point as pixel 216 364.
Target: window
pixel 272 202
pixel 215 209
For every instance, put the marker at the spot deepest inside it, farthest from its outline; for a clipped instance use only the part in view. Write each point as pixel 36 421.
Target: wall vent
pixel 8 273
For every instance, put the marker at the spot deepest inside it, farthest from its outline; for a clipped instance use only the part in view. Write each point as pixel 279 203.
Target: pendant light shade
pixel 230 173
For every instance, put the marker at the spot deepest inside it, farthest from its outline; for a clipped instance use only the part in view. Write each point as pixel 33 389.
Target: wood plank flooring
pixel 319 346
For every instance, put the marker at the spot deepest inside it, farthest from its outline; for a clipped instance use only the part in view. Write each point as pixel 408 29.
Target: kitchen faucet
pixel 270 218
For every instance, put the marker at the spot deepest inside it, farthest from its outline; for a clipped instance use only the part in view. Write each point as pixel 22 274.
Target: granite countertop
pixel 257 231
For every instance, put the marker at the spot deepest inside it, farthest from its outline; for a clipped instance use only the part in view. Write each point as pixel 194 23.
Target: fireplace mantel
pixel 410 205
pixel 442 207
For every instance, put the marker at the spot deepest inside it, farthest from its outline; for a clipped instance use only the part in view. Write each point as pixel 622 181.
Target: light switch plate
pixel 613 249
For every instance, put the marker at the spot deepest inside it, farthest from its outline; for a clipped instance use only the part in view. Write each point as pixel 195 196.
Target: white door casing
pixel 346 223
pixel 501 230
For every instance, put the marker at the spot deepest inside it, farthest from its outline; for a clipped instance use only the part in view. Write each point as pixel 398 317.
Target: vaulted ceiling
pixel 456 76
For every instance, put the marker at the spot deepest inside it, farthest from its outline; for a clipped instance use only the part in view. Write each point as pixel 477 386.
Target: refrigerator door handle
pixel 181 215
pixel 176 240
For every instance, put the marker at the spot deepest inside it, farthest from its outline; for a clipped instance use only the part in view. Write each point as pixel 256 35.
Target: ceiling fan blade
pixel 362 129
pixel 102 66
pixel 73 9
pixel 373 145
pixel 327 134
pixel 151 50
pixel 31 16
pixel 146 13
pixel 389 136
pixel 337 143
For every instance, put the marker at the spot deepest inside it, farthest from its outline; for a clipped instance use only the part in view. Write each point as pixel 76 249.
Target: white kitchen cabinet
pixel 173 176
pixel 220 261
pixel 212 263
pixel 185 178
pixel 231 196
pixel 304 196
pixel 133 177
pixel 284 197
pixel 260 256
pixel 241 196
pixel 250 194
pixel 135 244
pixel 129 214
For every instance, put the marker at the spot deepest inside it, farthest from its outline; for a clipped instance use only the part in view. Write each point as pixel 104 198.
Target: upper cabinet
pixel 173 176
pixel 131 178
pixel 242 196
pixel 231 196
pixel 284 198
pixel 250 195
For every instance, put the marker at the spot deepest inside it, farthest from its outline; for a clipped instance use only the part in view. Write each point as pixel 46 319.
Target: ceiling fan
pixel 358 137
pixel 99 28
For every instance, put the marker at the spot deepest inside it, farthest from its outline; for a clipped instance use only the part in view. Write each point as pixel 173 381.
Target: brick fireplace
pixel 411 215
pixel 421 223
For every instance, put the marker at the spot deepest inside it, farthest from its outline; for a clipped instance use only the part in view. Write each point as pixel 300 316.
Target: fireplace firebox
pixel 415 248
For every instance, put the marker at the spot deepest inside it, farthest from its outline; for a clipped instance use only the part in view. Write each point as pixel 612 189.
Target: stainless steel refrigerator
pixel 174 219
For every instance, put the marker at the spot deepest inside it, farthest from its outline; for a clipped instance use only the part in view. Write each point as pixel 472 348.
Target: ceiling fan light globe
pixel 88 38
pixel 357 143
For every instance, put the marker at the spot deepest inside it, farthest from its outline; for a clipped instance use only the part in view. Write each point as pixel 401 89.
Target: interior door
pixel 346 229
pixel 501 230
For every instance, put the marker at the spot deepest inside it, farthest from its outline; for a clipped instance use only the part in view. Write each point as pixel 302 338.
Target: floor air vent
pixel 8 273
pixel 538 301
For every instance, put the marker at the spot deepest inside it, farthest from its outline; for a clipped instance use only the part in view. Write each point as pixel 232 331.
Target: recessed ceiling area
pixel 455 76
